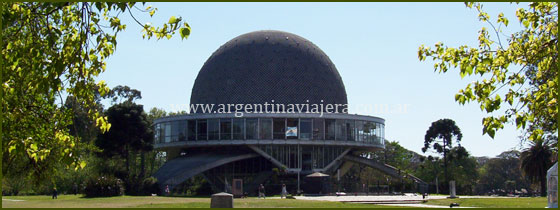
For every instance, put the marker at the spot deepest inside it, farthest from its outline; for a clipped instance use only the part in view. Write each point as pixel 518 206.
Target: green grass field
pixel 72 201
pixel 77 201
pixel 539 202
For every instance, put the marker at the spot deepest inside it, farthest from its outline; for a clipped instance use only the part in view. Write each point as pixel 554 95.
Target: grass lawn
pixel 77 201
pixel 539 202
pixel 73 201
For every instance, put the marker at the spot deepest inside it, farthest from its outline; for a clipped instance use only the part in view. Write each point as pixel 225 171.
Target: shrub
pixel 149 186
pixel 139 186
pixel 104 186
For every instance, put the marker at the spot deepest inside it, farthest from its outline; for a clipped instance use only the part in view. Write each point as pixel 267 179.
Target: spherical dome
pixel 268 66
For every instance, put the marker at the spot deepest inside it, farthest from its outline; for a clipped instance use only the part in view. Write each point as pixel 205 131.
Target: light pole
pixel 437 188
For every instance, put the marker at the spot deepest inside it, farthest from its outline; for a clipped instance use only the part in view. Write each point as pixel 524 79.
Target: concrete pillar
pixel 452 193
pixel 221 200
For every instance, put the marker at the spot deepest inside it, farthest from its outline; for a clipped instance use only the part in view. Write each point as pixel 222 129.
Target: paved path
pixel 4 199
pixel 408 200
pixel 373 198
pixel 422 206
pixel 363 198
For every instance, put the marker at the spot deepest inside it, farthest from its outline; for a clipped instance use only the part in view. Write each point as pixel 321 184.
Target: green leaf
pixel 174 20
pixel 122 6
pixel 115 22
pixel 13 147
pixel 491 132
pixel 83 164
pixel 526 23
pixel 509 98
pixel 33 147
pixel 185 32
pixel 469 69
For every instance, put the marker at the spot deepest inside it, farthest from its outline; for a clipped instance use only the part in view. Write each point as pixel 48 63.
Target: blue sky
pixel 373 45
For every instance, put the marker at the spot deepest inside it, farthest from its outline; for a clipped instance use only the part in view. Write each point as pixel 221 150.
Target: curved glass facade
pixel 269 128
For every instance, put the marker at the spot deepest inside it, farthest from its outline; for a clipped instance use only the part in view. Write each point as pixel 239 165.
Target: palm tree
pixel 535 161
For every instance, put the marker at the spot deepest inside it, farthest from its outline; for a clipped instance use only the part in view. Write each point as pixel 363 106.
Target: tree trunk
pixel 446 183
pixel 142 164
pixel 133 166
pixel 127 163
pixel 543 185
pixel 153 160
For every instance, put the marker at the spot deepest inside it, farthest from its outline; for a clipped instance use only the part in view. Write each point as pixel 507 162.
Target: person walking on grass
pixel 54 193
pixel 284 192
pixel 261 192
pixel 167 190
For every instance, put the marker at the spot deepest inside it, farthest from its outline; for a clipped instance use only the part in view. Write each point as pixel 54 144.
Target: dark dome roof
pixel 262 66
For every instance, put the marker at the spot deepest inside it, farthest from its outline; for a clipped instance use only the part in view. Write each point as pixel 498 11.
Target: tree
pixel 517 71
pixel 535 161
pixel 440 137
pixel 131 136
pixel 430 170
pixel 130 131
pixel 496 172
pixel 462 166
pixel 120 92
pixel 396 155
pixel 50 50
pixel 82 127
pixel 156 113
pixel 463 169
pixel 156 158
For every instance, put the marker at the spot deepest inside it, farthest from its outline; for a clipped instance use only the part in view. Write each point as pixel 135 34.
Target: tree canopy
pixel 118 93
pixel 461 165
pixel 518 71
pixel 131 130
pixel 440 137
pixel 53 50
pixel 497 172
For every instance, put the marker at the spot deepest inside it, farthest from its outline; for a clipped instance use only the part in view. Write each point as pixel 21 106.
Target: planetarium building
pixel 267 103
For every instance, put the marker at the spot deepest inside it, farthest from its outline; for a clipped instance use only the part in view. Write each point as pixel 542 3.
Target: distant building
pixel 261 76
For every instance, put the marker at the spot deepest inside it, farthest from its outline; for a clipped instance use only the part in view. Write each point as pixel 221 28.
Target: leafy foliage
pixel 440 137
pixel 496 172
pixel 156 113
pixel 104 186
pixel 51 50
pixel 195 186
pixel 150 186
pixel 523 65
pixel 129 141
pixel 396 155
pixel 123 92
pixel 462 167
pixel 131 130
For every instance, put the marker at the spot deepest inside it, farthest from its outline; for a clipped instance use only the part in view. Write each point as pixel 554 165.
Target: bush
pixel 13 186
pixel 195 186
pixel 150 186
pixel 138 186
pixel 104 186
